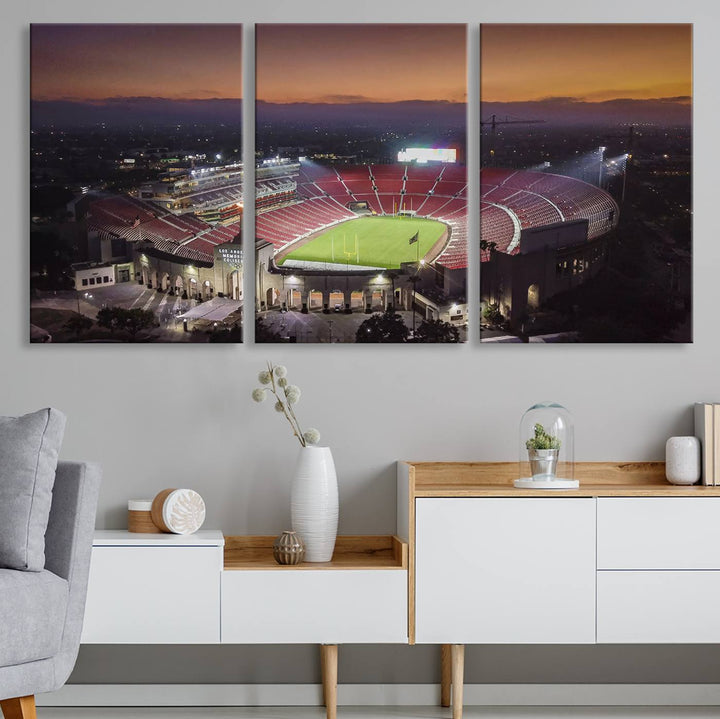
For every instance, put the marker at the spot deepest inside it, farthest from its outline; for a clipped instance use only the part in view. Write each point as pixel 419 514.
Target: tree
pixel 137 320
pixel 109 318
pixel 492 314
pixel 436 331
pixel 118 319
pixel 78 324
pixel 265 333
pixel 233 334
pixel 386 327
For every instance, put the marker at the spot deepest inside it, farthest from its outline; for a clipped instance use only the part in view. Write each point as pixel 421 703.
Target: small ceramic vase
pixel 288 548
pixel 682 460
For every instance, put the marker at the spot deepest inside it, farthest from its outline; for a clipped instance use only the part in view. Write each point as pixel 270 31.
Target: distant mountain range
pixel 132 111
pixel 383 114
pixel 665 111
pixel 123 112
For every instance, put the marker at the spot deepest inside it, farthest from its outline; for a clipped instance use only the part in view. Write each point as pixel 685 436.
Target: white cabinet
pixel 505 570
pixel 658 607
pixel 286 606
pixel 658 532
pixel 658 570
pixel 154 589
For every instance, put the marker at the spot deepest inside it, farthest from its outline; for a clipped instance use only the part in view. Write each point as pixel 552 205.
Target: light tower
pixel 601 151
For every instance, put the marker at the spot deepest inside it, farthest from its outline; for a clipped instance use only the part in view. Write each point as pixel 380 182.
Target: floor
pixel 386 713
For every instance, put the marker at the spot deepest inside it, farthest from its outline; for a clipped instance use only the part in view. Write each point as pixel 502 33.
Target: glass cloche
pixel 547 448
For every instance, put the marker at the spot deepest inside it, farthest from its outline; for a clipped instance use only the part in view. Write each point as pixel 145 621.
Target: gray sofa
pixel 41 613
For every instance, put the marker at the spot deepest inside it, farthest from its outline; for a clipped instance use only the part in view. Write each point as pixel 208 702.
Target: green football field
pixel 372 241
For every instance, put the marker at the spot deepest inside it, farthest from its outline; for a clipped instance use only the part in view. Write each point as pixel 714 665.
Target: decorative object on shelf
pixel 314 492
pixel 314 503
pixel 683 460
pixel 178 511
pixel 707 430
pixel 547 448
pixel 288 549
pixel 140 517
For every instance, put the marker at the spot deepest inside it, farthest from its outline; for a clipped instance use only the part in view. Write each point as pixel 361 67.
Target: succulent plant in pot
pixel 543 451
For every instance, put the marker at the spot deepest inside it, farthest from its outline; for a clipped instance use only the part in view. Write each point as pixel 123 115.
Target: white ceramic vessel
pixel 682 460
pixel 314 503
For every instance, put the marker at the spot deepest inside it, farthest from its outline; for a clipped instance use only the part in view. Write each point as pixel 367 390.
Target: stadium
pixel 324 233
pixel 541 234
pixel 180 235
pixel 346 236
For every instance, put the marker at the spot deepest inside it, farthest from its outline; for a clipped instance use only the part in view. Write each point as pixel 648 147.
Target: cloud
pixel 560 100
pixel 344 98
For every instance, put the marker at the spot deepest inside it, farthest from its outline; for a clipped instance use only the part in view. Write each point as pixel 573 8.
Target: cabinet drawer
pixel 291 606
pixel 658 532
pixel 658 607
pixel 497 571
pixel 153 595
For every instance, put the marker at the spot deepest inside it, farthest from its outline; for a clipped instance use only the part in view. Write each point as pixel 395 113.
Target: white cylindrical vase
pixel 682 460
pixel 314 503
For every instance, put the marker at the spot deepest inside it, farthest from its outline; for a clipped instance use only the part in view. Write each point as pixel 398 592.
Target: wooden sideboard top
pixel 351 552
pixel 597 479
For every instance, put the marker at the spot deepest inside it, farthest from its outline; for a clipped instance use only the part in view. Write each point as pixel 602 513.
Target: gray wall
pixel 181 415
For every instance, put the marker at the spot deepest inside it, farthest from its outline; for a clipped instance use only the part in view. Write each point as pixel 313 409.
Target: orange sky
pixel 356 63
pixel 91 62
pixel 589 62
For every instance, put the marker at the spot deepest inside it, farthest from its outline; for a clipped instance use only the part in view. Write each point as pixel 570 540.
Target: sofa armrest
pixel 68 545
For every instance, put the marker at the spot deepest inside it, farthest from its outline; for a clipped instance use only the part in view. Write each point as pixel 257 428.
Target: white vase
pixel 682 460
pixel 314 503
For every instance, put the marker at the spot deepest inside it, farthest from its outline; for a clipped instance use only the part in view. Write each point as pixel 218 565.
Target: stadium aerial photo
pixel 136 183
pixel 361 186
pixel 585 198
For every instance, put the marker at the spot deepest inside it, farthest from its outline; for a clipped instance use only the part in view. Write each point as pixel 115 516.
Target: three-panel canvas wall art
pixel 581 226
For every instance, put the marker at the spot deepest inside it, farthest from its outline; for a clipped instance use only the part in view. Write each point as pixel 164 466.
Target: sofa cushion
pixel 32 615
pixel 29 447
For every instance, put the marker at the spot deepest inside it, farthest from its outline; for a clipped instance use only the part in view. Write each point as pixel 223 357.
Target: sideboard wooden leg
pixel 329 664
pixel 446 675
pixel 458 671
pixel 322 673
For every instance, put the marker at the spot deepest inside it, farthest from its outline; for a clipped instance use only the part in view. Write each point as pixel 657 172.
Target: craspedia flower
pixel 264 377
pixel 280 371
pixel 312 436
pixel 292 392
pixel 258 394
pixel 279 406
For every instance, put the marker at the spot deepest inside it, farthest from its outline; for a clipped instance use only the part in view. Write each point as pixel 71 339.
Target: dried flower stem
pixel 286 408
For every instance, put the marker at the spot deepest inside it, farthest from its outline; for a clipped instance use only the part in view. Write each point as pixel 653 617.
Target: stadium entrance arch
pixel 533 297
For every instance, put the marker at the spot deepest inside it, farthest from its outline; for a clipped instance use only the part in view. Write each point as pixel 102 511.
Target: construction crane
pixel 493 122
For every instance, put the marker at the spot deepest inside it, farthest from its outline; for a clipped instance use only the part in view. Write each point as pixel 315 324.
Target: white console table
pixel 208 589
pixel 623 559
